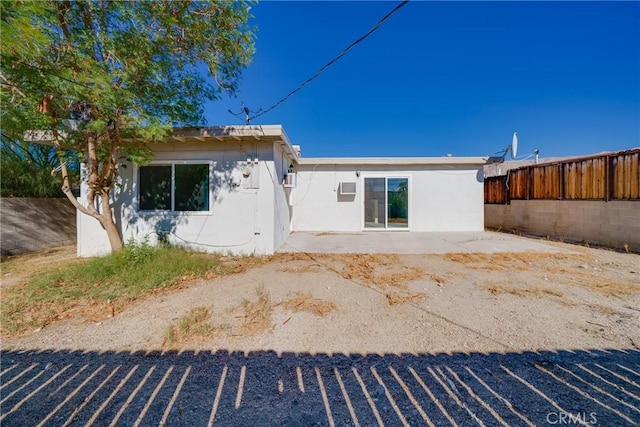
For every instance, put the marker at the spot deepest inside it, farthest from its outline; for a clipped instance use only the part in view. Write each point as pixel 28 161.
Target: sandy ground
pixel 582 298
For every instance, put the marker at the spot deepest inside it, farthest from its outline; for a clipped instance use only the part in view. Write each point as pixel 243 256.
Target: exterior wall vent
pixel 347 189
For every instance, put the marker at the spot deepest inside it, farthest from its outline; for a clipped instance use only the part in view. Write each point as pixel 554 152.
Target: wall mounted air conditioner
pixel 347 189
pixel 290 180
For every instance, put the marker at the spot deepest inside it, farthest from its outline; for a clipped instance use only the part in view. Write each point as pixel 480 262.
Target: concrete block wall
pixel 28 224
pixel 615 223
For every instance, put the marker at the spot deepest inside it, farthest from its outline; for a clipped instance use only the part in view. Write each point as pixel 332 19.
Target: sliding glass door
pixel 375 202
pixel 397 202
pixel 386 202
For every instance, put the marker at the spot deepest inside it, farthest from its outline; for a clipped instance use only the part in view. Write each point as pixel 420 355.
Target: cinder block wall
pixel 615 223
pixel 31 224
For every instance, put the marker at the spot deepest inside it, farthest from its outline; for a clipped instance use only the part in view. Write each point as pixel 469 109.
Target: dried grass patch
pixel 257 314
pixel 381 270
pixel 237 265
pixel 438 279
pixel 610 283
pixel 20 267
pixel 534 291
pixel 607 286
pixel 398 279
pixel 557 269
pixel 192 327
pixel 306 302
pixel 288 256
pixel 395 298
pixel 607 310
pixel 309 268
pixel 501 261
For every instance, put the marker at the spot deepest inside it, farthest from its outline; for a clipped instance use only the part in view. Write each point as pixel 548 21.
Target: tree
pixel 100 76
pixel 26 169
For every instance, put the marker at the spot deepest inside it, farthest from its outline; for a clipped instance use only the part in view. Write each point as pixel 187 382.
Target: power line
pixel 244 110
pixel 334 60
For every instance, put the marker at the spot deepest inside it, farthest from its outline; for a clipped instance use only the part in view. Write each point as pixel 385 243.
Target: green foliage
pixel 105 78
pixel 131 66
pixel 26 170
pixel 116 279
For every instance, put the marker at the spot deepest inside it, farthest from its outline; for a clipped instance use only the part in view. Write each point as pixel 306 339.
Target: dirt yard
pixel 582 298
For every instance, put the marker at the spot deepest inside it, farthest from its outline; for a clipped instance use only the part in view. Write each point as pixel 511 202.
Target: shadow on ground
pixel 589 387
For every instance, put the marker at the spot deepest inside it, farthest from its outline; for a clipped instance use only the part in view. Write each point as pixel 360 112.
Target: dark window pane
pixel 155 188
pixel 192 188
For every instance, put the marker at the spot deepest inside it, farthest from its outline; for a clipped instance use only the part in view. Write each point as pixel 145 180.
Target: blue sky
pixel 446 77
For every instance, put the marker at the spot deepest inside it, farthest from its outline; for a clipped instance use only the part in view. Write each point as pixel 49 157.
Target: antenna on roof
pixel 244 110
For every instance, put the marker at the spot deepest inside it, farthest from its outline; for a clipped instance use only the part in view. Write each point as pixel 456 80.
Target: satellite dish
pixel 513 148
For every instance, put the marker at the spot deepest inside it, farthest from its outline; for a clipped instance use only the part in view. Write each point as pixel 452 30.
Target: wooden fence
pixel 610 176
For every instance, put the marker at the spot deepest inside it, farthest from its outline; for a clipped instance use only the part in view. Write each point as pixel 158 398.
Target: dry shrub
pixel 257 314
pixel 395 298
pixel 193 326
pixel 306 302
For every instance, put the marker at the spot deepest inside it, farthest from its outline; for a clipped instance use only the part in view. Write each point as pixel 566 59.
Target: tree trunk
pixel 105 217
pixel 106 220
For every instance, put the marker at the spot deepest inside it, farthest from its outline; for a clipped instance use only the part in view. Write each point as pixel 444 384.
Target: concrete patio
pixel 413 242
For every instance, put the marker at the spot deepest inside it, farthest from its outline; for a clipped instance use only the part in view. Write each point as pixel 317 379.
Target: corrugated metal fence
pixel 609 176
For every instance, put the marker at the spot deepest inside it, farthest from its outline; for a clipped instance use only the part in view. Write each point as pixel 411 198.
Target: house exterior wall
pixel 241 219
pixel 441 198
pixel 251 212
pixel 316 204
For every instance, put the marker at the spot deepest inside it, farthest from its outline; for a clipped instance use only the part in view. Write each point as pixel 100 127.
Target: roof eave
pixel 240 133
pixel 395 161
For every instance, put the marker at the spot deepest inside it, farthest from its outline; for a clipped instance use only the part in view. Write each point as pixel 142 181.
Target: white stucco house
pixel 244 189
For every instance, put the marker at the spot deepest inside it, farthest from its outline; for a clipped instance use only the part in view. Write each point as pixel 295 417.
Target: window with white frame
pixel 179 187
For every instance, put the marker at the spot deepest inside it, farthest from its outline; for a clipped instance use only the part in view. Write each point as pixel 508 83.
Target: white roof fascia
pixel 284 140
pixel 231 131
pixel 273 133
pixel 394 161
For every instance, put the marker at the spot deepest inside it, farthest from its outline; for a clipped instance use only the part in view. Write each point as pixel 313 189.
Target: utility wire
pixel 334 60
